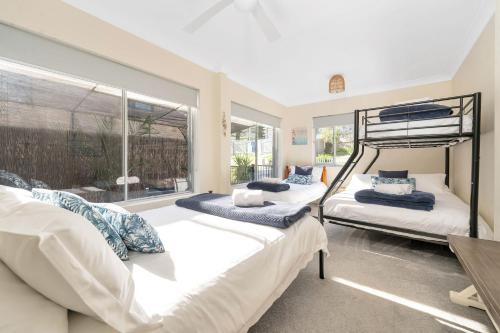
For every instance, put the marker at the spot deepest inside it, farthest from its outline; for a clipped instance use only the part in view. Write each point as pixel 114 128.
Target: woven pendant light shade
pixel 337 84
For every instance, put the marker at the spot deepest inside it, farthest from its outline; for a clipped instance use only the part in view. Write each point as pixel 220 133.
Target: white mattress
pixel 449 216
pixel 299 194
pixel 217 275
pixel 466 127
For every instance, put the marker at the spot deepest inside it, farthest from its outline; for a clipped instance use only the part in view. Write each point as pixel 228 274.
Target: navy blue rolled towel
pixel 416 200
pixel 268 187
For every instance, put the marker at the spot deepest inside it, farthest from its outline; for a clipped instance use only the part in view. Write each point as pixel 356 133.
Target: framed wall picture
pixel 299 136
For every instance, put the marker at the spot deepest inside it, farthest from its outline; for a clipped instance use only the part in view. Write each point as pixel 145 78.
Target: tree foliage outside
pixel 338 138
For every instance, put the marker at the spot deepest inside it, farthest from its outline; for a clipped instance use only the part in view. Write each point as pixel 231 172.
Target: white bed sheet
pixel 298 194
pixel 449 216
pixel 466 127
pixel 217 275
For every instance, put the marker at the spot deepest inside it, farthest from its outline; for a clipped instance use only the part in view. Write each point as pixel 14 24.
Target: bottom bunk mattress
pixel 449 216
pixel 216 275
pixel 298 194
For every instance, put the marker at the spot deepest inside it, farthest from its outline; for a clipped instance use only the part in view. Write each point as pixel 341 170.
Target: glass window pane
pixel 334 145
pixel 265 147
pixel 343 143
pixel 252 151
pixel 324 145
pixel 243 149
pixel 158 147
pixel 62 131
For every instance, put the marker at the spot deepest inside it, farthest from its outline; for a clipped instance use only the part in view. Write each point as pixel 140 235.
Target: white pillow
pixel 22 309
pixel 15 197
pixel 430 182
pixel 316 173
pixel 65 258
pixel 397 189
pixel 360 181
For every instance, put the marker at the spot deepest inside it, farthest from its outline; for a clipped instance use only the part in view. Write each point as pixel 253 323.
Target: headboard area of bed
pixel 323 178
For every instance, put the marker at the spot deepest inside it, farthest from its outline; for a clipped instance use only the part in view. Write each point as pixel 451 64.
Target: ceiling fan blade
pixel 265 23
pixel 207 15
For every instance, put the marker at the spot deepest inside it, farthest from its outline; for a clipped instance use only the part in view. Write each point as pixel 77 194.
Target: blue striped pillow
pixel 78 205
pixel 299 179
pixel 381 180
pixel 137 234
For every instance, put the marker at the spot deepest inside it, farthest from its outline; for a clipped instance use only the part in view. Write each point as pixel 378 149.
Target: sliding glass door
pixel 253 150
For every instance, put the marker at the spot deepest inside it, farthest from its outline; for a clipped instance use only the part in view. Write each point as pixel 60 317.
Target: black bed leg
pixel 321 265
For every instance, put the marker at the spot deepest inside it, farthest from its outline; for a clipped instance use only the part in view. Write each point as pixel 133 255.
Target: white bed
pixel 449 216
pixel 404 131
pixel 217 275
pixel 298 194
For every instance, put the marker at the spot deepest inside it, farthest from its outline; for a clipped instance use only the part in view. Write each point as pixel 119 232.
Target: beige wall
pixel 421 161
pixel 497 124
pixel 234 92
pixel 63 23
pixel 477 74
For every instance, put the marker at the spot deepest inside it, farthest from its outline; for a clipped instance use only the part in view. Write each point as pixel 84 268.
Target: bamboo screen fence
pixel 66 159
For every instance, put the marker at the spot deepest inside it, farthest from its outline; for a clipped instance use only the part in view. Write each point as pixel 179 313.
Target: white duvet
pixel 217 275
pixel 298 194
pixel 449 216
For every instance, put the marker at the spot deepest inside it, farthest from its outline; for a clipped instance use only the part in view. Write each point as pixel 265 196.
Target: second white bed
pixel 449 216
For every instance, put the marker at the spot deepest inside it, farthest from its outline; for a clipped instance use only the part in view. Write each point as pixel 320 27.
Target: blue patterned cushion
pixel 13 180
pixel 299 179
pixel 381 180
pixel 78 205
pixel 35 183
pixel 137 234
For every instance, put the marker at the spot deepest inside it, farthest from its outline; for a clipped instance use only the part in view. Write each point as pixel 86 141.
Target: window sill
pixel 242 185
pixel 138 205
pixel 329 165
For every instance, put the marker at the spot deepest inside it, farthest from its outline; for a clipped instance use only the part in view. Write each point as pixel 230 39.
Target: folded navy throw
pixel 416 200
pixel 280 215
pixel 269 187
pixel 414 112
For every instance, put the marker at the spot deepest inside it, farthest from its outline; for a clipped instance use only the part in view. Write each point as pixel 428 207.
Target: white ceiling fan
pixel 250 6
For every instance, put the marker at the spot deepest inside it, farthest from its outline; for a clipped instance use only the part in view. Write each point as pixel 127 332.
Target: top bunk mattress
pixel 449 216
pixel 405 128
pixel 210 277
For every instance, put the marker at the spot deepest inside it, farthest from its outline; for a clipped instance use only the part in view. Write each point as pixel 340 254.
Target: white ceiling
pixel 377 45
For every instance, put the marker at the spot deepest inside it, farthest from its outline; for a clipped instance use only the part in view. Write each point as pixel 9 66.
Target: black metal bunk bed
pixel 443 131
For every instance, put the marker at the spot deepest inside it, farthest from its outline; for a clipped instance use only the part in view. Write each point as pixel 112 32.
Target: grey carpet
pixel 376 283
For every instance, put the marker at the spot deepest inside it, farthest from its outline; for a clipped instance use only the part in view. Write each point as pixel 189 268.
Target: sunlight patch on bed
pixel 430 310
